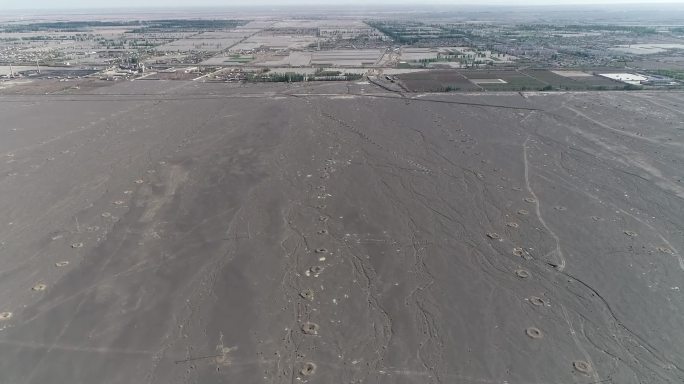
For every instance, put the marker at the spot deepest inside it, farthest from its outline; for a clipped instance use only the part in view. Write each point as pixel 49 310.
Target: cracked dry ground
pixel 201 234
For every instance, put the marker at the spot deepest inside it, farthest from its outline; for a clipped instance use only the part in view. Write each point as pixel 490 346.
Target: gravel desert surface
pixel 187 232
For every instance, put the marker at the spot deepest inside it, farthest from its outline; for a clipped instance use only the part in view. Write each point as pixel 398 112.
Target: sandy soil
pixel 184 232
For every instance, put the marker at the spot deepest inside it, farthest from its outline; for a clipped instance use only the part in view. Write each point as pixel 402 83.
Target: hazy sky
pixel 58 4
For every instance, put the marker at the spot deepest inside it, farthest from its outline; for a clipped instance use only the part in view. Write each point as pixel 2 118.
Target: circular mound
pixel 596 218
pixel 523 212
pixel 118 202
pixel 665 250
pixel 581 366
pixel 538 301
pixel 106 214
pixel 522 273
pixel 512 225
pixel 310 328
pixel 494 236
pixel 516 189
pixel 321 250
pixel 560 208
pixel 631 233
pixel 323 219
pixel 61 264
pixel 307 369
pixel 39 287
pixel 307 294
pixel 534 333
pixel 518 251
pixel 77 245
pixel 316 269
pixel 139 181
pixel 530 200
pixel 322 231
pixel 5 315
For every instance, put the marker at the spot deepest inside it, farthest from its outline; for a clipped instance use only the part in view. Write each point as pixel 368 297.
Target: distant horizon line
pixel 484 4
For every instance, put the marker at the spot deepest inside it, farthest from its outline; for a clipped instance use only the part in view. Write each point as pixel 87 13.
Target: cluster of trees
pixel 291 77
pixel 326 72
pixel 66 26
pixel 141 43
pixel 638 30
pixel 671 73
pixel 112 43
pixel 174 25
pixel 398 33
pixel 288 77
pixel 140 26
pixel 411 33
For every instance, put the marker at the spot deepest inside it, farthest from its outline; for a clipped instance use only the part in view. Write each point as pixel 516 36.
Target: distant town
pixel 402 52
